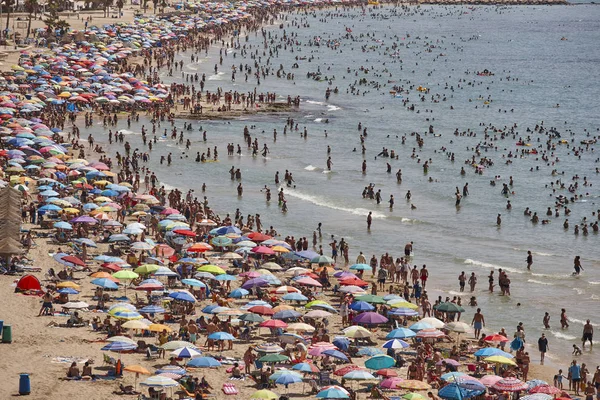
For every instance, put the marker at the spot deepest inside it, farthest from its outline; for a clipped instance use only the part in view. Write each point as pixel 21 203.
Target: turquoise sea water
pixel 438 48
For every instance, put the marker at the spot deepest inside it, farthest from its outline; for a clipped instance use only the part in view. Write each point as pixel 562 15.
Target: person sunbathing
pixel 73 372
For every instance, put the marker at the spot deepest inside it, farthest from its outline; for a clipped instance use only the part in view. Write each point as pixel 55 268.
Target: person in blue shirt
pixel 575 371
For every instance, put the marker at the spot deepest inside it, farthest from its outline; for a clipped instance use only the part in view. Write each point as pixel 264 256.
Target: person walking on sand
pixel 543 347
pixel 575 373
pixel 478 322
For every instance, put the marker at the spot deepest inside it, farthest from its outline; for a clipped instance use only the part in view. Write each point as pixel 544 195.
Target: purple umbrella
pixel 84 219
pixel 369 318
pixel 254 283
pixel 344 274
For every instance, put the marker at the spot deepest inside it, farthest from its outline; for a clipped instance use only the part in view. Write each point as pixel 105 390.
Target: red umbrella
pixel 510 385
pixel 345 369
pixel 111 267
pixel 308 281
pixel 262 310
pixel 258 237
pixel 163 250
pixel 353 281
pixel 273 323
pixel 387 372
pixel 184 232
pixel 496 338
pixel 262 250
pixel 199 247
pixel 73 260
pixel 169 211
pixel 546 389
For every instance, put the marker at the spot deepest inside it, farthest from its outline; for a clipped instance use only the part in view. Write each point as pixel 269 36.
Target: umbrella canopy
pixel 203 362
pixel 186 352
pixel 510 385
pixel 400 333
pixel 492 351
pixel 490 380
pixel 395 344
pixel 454 392
pixel 119 346
pixel 359 374
pixel 500 360
pixel 369 318
pixel 159 381
pixel 333 392
pixel 545 389
pixel 264 394
pixel 380 362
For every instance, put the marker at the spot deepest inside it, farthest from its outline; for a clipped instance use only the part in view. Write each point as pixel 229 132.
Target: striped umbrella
pixel 170 376
pixel 545 389
pixel 186 352
pixel 510 385
pixel 343 370
pixel 400 333
pixel 159 381
pixel 318 348
pixel 172 369
pixel 119 346
pixel 268 348
pixel 537 396
pixel 430 334
pixel 395 344
pixel 333 392
pixel 534 382
pixel 490 380
pixel 359 374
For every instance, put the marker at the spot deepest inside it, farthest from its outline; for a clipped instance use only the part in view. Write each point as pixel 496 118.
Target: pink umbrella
pixel 163 250
pixel 430 333
pixel 546 389
pixel 390 383
pixel 262 250
pixel 250 274
pixel 510 385
pixel 308 281
pixel 448 361
pixel 169 211
pixel 316 349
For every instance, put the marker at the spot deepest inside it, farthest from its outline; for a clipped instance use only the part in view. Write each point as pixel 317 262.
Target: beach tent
pixel 28 282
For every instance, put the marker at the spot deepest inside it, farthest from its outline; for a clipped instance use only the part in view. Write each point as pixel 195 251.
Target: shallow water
pixel 520 42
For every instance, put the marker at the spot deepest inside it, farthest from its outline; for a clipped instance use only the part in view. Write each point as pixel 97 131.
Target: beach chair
pixel 150 354
pixel 229 389
pixel 107 360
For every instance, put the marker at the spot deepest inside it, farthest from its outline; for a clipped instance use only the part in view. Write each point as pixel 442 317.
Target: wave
pixel 127 132
pixel 310 168
pixel 578 321
pixel 493 266
pixel 537 253
pixel 319 201
pixel 318 120
pixel 540 282
pixel 333 108
pixel 319 103
pixel 218 77
pixel 564 336
pixel 594 283
pixel 578 290
pixel 556 276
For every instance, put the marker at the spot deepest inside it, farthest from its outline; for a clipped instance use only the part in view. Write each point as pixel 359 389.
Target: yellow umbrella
pixel 264 394
pixel 280 249
pixel 356 331
pixel 159 328
pixel 403 304
pixel 138 369
pixel 212 269
pixel 135 324
pixel 500 360
pixel 102 183
pixel 71 210
pixel 140 214
pixel 101 199
pixel 67 284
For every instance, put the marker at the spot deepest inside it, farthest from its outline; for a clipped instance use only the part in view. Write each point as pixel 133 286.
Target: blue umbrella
pixel 203 362
pixel 308 254
pixel 225 277
pixel 209 308
pixel 48 193
pixel 380 362
pixel 335 354
pixel 63 225
pixel 239 293
pixel 333 392
pixel 455 392
pixel 225 230
pixel 419 326
pixel 361 267
pixel 49 207
pixel 104 283
pixel 221 336
pixel 361 306
pixel 303 367
pixel 288 378
pixel 286 314
pixel 403 312
pixel 294 297
pixel 369 351
pixel 400 333
pixel 492 351
pixel 151 309
pixel 68 291
pixel 193 282
pixel 342 343
pixel 118 238
pixel 109 259
pixel 182 296
pixel 395 344
pixel 86 241
pixel 119 346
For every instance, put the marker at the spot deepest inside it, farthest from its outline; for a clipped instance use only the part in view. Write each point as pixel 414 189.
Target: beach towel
pixel 229 389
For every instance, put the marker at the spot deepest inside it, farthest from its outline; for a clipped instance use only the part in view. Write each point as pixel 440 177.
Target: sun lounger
pixel 230 389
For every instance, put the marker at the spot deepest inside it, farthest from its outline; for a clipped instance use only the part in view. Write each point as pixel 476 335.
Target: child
pixel 558 379
pixel 576 350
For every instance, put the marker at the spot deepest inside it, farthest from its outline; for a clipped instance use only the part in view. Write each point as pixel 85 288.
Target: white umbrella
pixel 434 322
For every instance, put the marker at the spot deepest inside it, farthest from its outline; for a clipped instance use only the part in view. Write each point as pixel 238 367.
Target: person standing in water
pixel 577 265
pixel 529 260
pixel 478 322
pixel 369 220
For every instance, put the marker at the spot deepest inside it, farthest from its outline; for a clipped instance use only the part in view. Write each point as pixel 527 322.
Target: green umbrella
pixel 124 274
pixel 146 269
pixel 251 317
pixel 221 241
pixel 371 298
pixel 323 260
pixel 273 358
pixel 212 269
pixel 449 307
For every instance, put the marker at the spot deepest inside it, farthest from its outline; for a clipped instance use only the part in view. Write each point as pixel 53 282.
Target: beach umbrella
pixel 159 381
pixel 286 314
pixel 251 317
pixel 212 269
pixel 490 380
pixel 510 385
pixel 146 269
pixel 356 332
pixel 127 315
pixel 123 339
pixel 395 344
pixel 386 373
pixel 273 323
pixel 449 307
pixel 221 336
pixel 430 333
pixel 369 351
pixel 262 310
pixel 104 283
pixel 369 318
pixel 333 392
pixel 119 346
pixel 391 382
pixel 458 327
pixel 344 369
pixel 419 326
pixel 268 348
pixel 361 267
pixel 359 374
pixel 193 282
pixel 238 293
pixel 300 327
pixel 305 367
pixel 291 338
pixel 322 260
pixel 537 396
pixel 412 384
pixel 264 394
pixel 414 396
pixel 370 298
pixel 317 314
pixel 400 303
pixel 294 297
pixel 186 352
pixel 288 378
pixel 455 392
pixel 152 309
pixel 63 225
pixel 125 275
pixel 379 362
pixel 434 322
pixel 492 351
pixel 535 382
pixel 76 305
pixel 361 306
pixel 177 344
pixel 203 362
pixel 273 358
pixel 285 289
pixel 135 324
pixel 403 312
pixel 496 338
pixel 545 389
pixel 68 291
pixel 335 354
pixel 183 295
pixel 500 360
